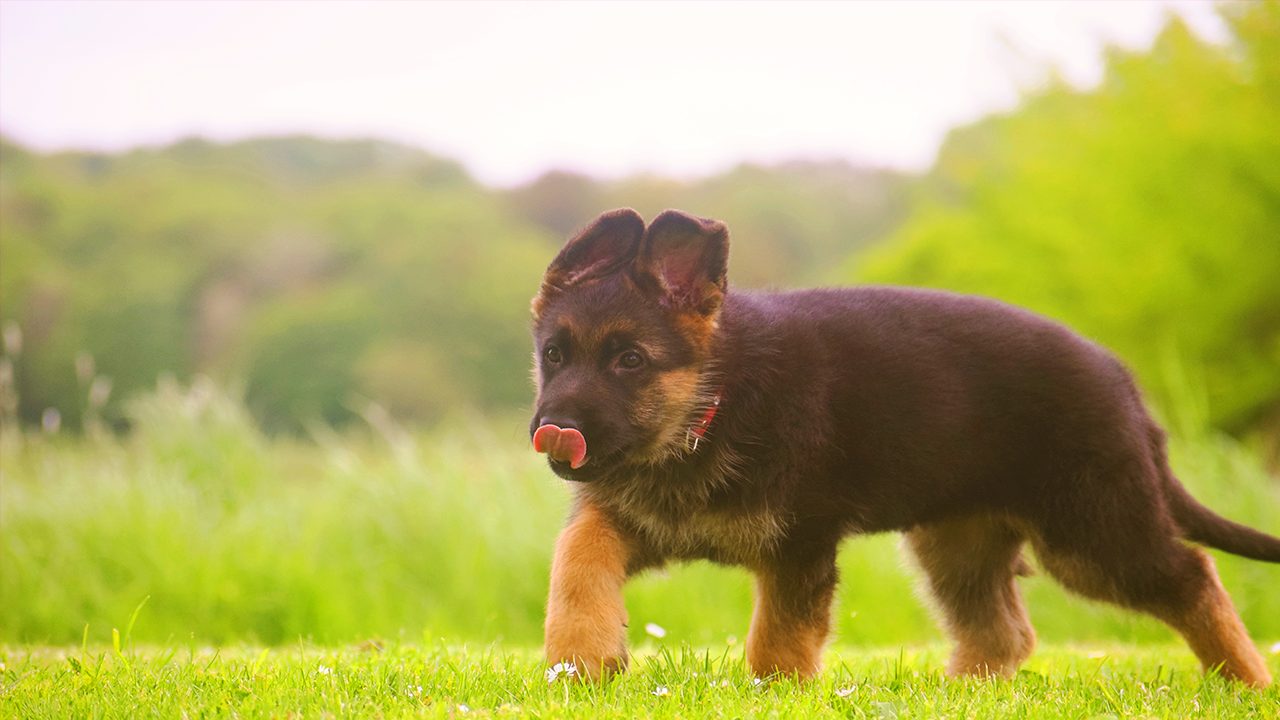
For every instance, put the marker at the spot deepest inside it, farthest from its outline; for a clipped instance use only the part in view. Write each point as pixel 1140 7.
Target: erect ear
pixel 688 257
pixel 610 242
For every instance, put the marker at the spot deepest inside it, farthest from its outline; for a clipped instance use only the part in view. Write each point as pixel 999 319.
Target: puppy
pixel 759 429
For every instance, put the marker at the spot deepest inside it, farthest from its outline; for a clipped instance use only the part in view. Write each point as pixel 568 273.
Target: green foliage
pixel 236 537
pixel 292 264
pixel 1145 214
pixel 439 681
pixel 325 274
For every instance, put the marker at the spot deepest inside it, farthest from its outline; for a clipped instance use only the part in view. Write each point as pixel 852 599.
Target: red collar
pixel 696 432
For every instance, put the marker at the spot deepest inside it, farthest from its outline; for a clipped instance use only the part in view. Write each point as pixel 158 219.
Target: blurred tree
pixel 289 263
pixel 324 275
pixel 1145 213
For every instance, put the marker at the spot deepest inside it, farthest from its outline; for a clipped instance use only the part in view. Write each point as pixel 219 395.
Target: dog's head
pixel 623 328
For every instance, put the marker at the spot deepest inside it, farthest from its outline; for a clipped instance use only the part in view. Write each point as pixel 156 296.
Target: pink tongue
pixel 562 444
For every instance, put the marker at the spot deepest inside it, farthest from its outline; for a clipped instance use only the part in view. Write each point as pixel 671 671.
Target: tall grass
pixel 383 533
pixel 235 537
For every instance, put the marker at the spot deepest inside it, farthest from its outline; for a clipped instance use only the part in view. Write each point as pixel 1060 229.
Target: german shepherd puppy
pixel 759 429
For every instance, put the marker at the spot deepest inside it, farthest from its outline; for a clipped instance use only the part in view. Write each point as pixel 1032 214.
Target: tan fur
pixel 741 537
pixel 1210 624
pixel 680 387
pixel 970 565
pixel 697 329
pixel 586 619
pixel 1213 629
pixel 568 322
pixel 675 399
pixel 594 336
pixel 684 392
pixel 539 303
pixel 1077 574
pixel 782 642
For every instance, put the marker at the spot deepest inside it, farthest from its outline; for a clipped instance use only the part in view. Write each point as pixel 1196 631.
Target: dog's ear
pixel 610 242
pixel 688 257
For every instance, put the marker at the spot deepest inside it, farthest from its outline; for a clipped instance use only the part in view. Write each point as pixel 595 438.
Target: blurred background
pixel 265 272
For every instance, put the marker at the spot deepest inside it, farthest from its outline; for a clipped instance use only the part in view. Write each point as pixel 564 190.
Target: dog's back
pixel 893 406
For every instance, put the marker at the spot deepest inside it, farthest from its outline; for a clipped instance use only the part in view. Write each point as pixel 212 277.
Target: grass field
pixel 452 682
pixel 437 547
pixel 238 538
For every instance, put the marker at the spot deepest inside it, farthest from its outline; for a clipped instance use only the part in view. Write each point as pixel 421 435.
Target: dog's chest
pixel 724 536
pixel 706 516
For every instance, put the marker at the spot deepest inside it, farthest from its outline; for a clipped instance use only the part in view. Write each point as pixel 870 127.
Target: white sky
pixel 513 90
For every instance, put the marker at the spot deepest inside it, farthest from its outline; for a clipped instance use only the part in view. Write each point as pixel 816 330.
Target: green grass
pixel 263 577
pixel 437 548
pixel 237 538
pixel 664 682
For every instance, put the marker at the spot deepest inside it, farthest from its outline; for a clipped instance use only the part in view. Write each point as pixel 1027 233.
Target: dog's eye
pixel 552 354
pixel 630 360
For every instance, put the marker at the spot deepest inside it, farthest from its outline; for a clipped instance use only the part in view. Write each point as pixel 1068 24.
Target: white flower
pixel 565 669
pixel 1275 650
pixel 324 670
pixel 756 682
pixel 845 692
pixel 661 691
pixel 655 630
pixel 463 708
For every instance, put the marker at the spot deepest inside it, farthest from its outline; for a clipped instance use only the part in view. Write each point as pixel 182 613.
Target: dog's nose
pixel 550 416
pixel 559 421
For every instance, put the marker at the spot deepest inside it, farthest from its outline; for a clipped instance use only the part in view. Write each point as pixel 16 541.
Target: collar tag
pixel 694 434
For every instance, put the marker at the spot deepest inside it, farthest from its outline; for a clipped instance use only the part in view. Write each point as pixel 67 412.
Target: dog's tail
pixel 1202 525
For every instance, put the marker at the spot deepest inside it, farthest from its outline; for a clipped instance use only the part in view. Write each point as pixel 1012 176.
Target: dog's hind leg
pixel 1212 627
pixel 586 617
pixel 1121 546
pixel 970 567
pixel 792 614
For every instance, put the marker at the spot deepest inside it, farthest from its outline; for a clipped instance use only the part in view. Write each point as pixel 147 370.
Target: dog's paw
pixel 595 646
pixel 584 668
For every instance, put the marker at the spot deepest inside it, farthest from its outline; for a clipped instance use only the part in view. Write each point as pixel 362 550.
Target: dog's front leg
pixel 792 616
pixel 586 617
